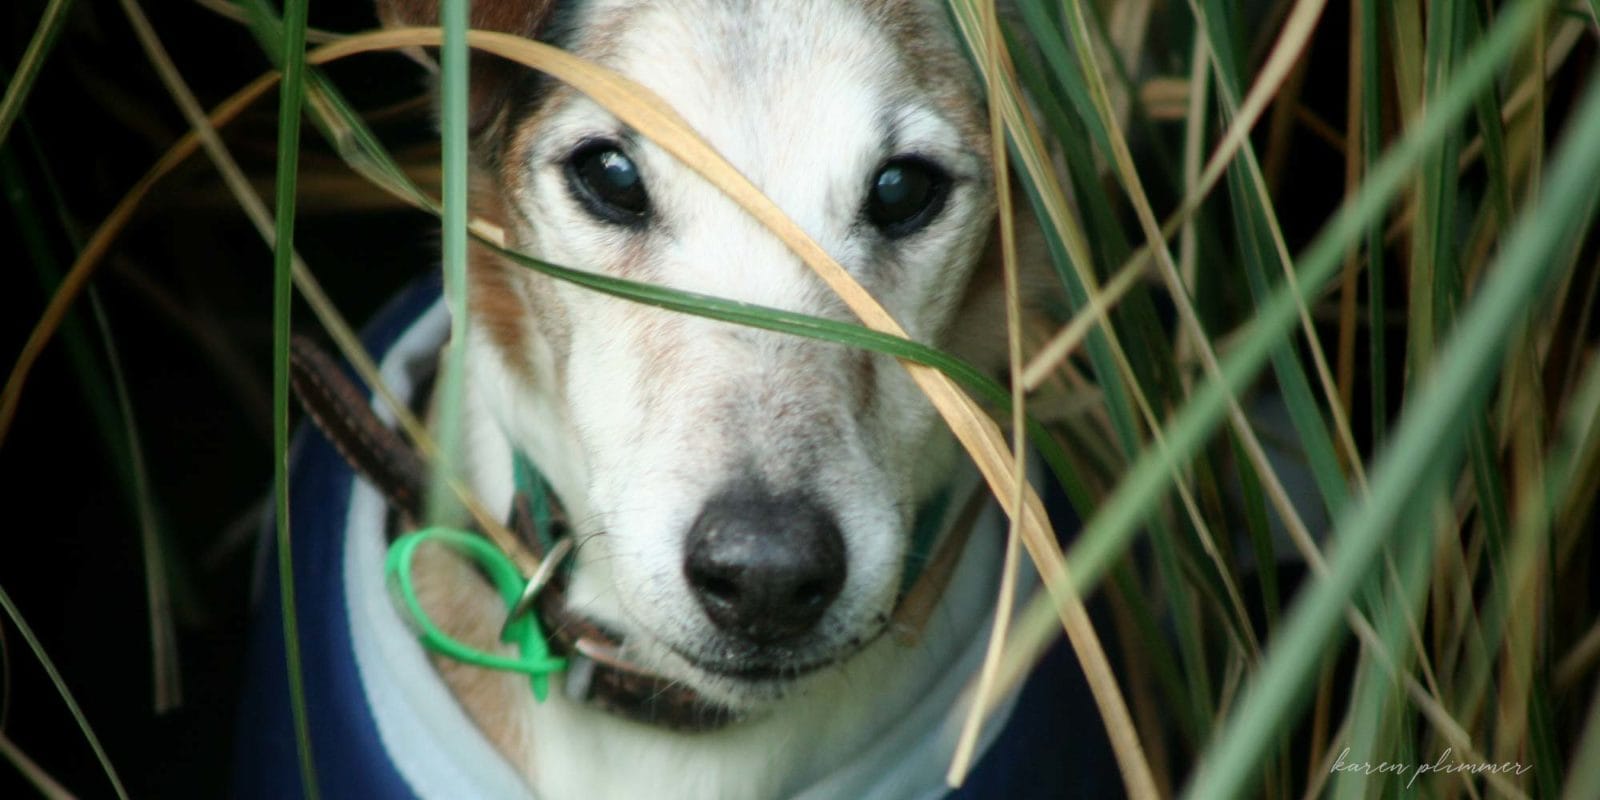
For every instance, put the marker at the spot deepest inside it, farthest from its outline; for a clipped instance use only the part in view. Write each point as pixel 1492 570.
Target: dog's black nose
pixel 764 568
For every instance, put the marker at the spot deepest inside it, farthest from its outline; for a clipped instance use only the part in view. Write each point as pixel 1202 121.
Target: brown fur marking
pixel 455 595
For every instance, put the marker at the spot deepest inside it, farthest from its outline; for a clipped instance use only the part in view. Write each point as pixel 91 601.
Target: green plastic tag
pixel 524 632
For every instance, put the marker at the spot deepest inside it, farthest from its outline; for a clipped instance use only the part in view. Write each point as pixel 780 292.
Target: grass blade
pixel 1377 295
pixel 61 688
pixel 45 785
pixel 291 95
pixel 1422 445
pixel 966 744
pixel 44 37
pixel 453 130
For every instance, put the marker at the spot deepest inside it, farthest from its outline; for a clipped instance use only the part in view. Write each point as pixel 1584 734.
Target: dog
pixel 747 497
pixel 745 502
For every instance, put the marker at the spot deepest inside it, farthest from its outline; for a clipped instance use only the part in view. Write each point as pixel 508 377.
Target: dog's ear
pixel 492 79
pixel 520 17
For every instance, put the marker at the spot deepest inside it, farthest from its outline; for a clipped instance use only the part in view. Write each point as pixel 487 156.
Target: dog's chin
pixel 746 678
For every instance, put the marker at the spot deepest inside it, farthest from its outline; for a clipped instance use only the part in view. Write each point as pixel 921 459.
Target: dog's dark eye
pixel 608 184
pixel 907 193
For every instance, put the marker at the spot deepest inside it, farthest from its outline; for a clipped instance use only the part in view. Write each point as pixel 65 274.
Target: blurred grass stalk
pixel 291 97
pixel 1460 565
pixel 1462 65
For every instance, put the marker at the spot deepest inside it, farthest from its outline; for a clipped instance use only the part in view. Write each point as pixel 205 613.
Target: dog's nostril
pixel 764 568
pixel 813 593
pixel 720 589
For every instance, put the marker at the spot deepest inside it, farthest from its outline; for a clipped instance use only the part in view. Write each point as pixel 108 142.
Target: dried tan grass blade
pixel 45 784
pixel 984 694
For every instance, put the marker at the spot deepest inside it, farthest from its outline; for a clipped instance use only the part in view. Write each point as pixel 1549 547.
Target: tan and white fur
pixel 638 416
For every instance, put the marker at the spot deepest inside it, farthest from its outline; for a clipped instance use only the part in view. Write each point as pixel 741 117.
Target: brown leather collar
pixel 597 672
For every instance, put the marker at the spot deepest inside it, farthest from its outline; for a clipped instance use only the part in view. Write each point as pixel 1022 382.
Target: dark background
pixel 187 294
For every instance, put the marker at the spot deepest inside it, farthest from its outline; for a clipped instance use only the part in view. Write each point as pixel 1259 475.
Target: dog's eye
pixel 907 193
pixel 608 184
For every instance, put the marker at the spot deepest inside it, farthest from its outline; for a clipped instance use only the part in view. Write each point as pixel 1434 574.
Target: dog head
pixel 745 499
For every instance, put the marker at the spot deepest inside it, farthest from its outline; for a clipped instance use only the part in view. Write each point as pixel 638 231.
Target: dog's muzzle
pixel 765 567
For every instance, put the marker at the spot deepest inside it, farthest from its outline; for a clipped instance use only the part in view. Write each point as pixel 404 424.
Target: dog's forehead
pixel 768 80
pixel 805 97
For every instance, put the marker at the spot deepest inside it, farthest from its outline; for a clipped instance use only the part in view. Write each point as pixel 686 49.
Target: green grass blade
pixel 1107 353
pixel 772 319
pixel 1304 413
pixel 1542 740
pixel 1260 531
pixel 1380 729
pixel 80 352
pixel 453 130
pixel 1584 780
pixel 112 410
pixel 1259 241
pixel 1101 351
pixel 21 83
pixel 1580 429
pixel 291 96
pixel 153 546
pixel 1377 294
pixel 1440 201
pixel 32 641
pixel 1435 259
pixel 1495 160
pixel 1075 272
pixel 1425 443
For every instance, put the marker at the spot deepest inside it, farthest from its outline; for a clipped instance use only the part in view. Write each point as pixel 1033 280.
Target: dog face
pixel 744 498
